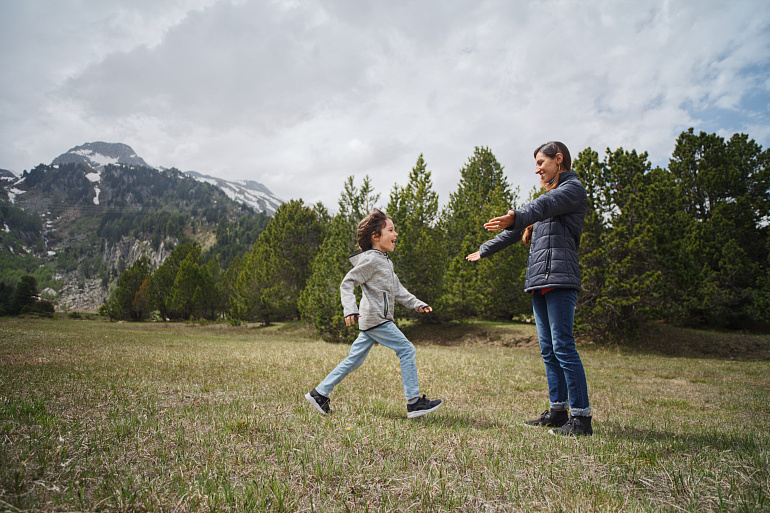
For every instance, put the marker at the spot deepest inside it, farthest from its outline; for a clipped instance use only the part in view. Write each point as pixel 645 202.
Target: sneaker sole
pixel 420 413
pixel 315 404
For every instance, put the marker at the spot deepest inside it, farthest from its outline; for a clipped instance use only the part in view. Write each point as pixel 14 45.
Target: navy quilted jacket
pixel 558 219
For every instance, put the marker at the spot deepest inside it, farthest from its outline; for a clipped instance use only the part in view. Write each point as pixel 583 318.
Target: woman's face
pixel 547 167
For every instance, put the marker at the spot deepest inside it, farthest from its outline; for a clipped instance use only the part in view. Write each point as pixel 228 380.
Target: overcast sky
pixel 299 95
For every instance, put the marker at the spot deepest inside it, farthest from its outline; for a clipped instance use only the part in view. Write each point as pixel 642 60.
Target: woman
pixel 551 225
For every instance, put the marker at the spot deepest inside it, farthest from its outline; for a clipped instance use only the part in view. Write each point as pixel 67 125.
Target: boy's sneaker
pixel 550 418
pixel 422 406
pixel 320 402
pixel 576 426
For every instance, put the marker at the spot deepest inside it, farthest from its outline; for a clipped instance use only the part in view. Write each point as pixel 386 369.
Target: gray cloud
pixel 298 95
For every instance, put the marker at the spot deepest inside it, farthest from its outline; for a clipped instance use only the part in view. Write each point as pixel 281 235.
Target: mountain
pixel 76 223
pixel 96 155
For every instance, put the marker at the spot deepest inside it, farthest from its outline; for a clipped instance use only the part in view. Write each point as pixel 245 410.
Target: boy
pixel 373 271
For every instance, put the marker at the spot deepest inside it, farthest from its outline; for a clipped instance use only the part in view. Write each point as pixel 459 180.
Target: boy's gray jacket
pixel 373 271
pixel 558 219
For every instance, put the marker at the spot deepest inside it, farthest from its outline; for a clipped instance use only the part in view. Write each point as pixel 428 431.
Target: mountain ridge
pixel 96 155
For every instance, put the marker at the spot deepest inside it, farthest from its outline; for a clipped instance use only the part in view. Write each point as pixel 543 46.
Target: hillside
pixel 77 223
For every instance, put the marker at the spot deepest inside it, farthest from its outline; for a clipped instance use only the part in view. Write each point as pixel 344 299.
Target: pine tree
pixel 25 295
pixel 725 186
pixel 129 300
pixel 257 295
pixel 419 257
pixel 621 270
pixel 6 297
pixel 320 301
pixel 490 287
pixel 189 289
pixel 161 288
pixel 275 271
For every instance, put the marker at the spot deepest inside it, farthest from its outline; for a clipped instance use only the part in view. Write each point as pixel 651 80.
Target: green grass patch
pixel 174 417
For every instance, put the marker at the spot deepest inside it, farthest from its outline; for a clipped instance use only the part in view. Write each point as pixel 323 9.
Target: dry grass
pixel 147 417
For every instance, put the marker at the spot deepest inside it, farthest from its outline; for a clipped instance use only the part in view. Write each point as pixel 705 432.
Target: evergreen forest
pixel 688 244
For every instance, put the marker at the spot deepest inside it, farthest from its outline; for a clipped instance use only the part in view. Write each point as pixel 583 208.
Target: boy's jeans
pixel 554 317
pixel 387 335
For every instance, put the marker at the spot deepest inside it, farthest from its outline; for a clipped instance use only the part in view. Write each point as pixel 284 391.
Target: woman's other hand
pixel 350 320
pixel 500 223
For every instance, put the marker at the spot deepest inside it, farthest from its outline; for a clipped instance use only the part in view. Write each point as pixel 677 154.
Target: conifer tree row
pixel 689 244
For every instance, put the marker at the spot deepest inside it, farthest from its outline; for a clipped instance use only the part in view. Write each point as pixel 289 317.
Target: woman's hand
pixel 474 257
pixel 500 223
pixel 425 309
pixel 350 320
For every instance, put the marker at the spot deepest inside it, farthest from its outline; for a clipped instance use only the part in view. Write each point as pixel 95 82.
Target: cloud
pixel 299 95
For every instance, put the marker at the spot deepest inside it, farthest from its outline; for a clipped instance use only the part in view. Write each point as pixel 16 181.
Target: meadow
pixel 98 416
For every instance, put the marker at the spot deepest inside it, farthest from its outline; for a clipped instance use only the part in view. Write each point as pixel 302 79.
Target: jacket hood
pixel 356 258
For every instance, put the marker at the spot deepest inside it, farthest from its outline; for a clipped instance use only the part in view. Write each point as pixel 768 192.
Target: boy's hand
pixel 425 309
pixel 350 320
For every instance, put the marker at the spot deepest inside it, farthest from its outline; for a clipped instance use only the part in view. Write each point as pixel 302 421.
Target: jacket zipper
pixel 385 300
pixel 548 265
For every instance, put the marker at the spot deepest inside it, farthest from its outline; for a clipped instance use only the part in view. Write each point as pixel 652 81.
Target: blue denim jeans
pixel 554 317
pixel 387 335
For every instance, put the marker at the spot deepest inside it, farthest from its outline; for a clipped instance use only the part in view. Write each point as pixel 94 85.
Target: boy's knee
pixel 408 352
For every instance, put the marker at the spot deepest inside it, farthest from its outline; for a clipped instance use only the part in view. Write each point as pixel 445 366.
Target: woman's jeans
pixel 554 317
pixel 387 335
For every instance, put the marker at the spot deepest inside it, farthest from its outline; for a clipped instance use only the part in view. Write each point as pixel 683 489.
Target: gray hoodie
pixel 373 271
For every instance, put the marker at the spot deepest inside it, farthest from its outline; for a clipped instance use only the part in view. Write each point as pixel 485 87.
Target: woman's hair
pixel 550 149
pixel 370 225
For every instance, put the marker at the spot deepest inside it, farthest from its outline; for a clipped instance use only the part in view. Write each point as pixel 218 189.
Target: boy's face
pixel 386 240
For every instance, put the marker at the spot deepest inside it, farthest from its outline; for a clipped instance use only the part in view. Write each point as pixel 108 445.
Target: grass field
pixel 97 416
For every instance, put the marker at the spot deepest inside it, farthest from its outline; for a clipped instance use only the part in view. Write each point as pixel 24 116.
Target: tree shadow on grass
pixel 673 341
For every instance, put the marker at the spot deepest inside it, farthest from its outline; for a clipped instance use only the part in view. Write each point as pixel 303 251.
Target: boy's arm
pixel 355 277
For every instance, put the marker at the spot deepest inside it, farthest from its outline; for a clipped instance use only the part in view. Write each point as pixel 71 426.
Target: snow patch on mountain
pixel 97 159
pixel 13 192
pixel 248 192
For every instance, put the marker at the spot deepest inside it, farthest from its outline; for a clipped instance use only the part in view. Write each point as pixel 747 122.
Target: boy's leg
pixel 358 353
pixel 391 337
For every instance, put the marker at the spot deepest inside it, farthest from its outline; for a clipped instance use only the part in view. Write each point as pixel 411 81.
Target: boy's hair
pixel 370 225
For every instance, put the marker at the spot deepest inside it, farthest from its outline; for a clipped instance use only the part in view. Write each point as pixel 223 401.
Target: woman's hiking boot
pixel 550 418
pixel 576 426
